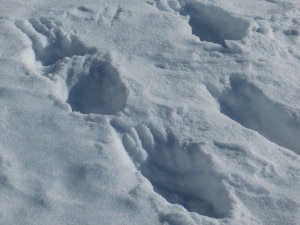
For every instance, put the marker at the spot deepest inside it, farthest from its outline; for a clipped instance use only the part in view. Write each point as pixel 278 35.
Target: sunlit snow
pixel 167 112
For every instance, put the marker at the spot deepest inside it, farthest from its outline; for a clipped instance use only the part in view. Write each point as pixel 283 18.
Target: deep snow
pixel 150 112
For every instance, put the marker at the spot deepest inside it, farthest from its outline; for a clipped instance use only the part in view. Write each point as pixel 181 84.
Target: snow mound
pixel 213 24
pixel 247 104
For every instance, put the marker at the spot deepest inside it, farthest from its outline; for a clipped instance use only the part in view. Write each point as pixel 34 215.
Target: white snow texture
pixel 167 112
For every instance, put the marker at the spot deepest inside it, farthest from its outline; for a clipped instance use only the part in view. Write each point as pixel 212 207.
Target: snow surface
pixel 168 112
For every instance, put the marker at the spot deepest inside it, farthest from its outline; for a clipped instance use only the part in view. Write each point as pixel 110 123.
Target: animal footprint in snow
pixel 214 24
pixel 246 104
pixel 50 41
pixel 93 85
pixel 180 171
pixel 99 91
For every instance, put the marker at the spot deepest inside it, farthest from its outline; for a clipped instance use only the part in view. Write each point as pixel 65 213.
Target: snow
pixel 213 24
pixel 168 112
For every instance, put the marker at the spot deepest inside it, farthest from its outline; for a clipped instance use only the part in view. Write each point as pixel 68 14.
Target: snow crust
pixel 168 112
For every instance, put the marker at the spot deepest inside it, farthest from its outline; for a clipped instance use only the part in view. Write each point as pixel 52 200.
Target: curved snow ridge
pixel 209 23
pixel 91 83
pixel 248 105
pixel 180 172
